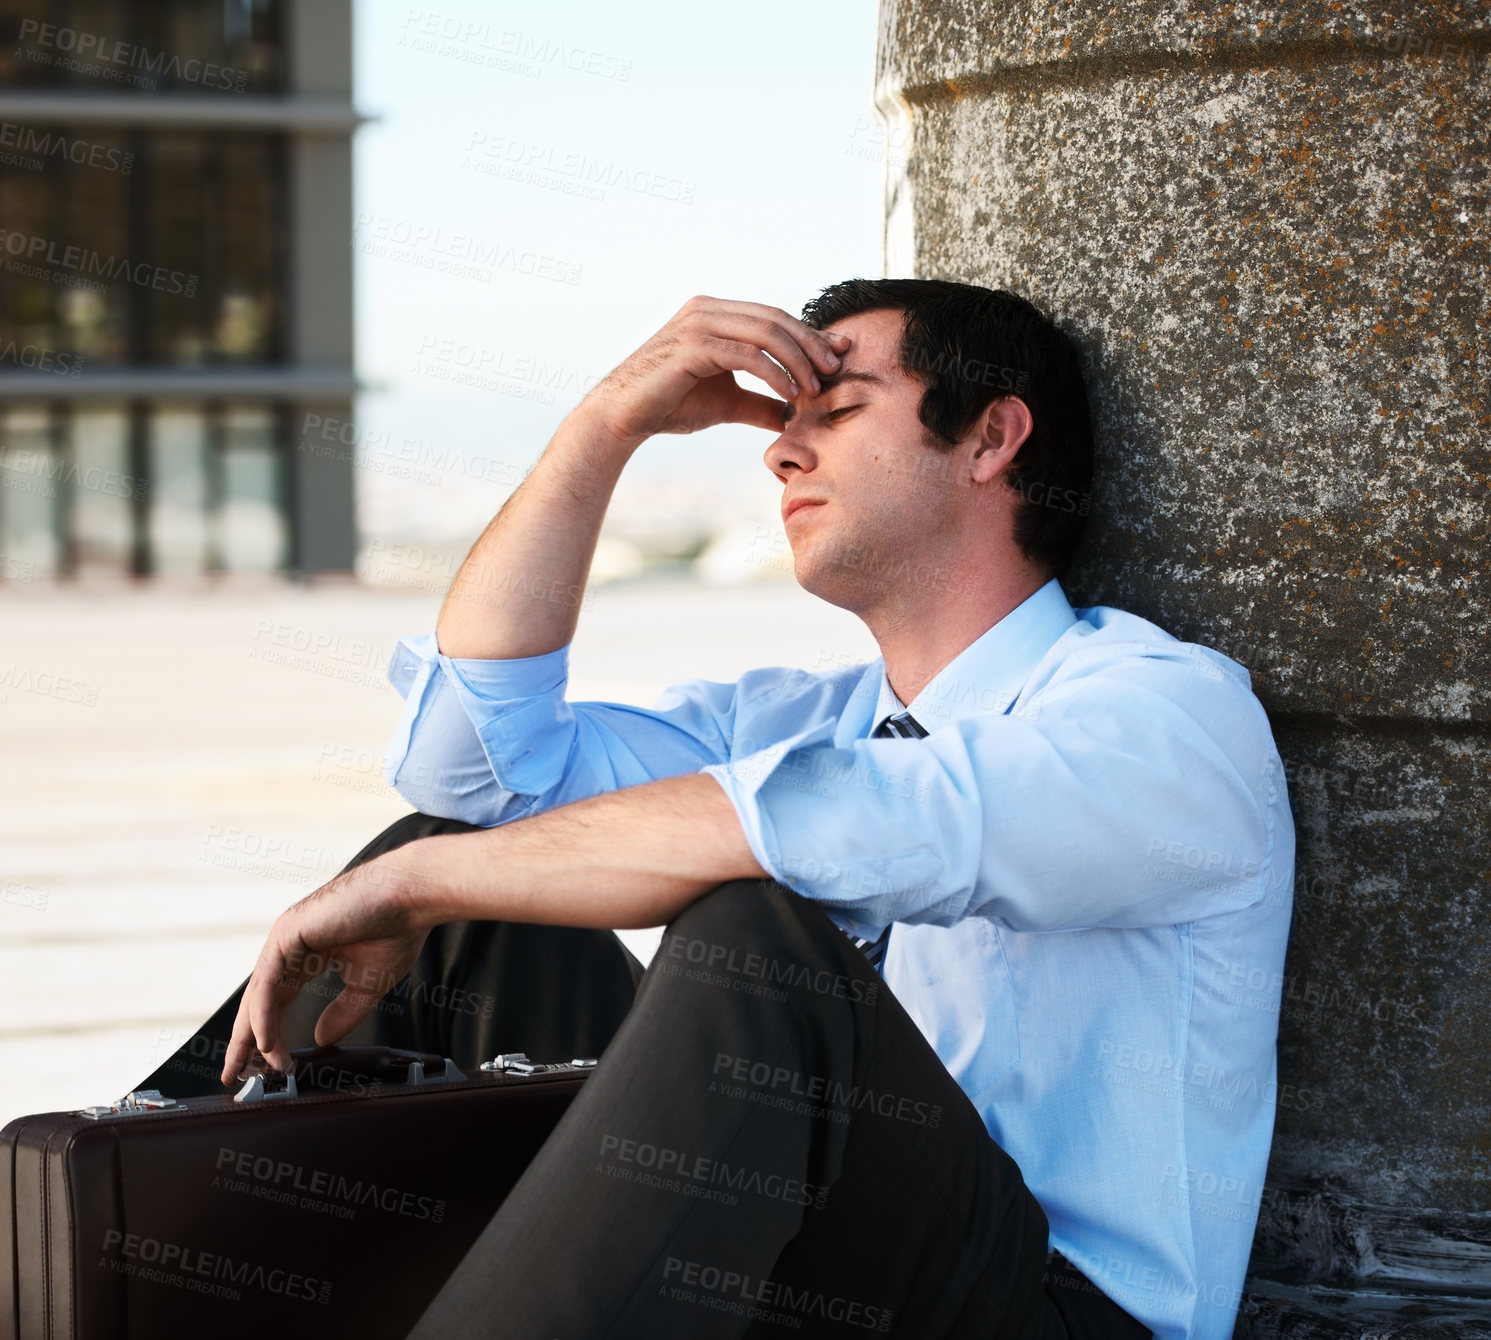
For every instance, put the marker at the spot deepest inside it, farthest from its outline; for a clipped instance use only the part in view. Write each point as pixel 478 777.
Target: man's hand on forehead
pixel 683 379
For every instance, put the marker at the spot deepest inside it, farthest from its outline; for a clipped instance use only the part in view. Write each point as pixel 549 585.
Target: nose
pixel 787 453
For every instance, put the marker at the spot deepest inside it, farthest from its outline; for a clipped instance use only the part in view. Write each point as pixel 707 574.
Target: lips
pixel 797 504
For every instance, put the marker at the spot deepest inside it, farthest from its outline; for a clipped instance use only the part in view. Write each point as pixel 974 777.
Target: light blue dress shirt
pixel 1088 862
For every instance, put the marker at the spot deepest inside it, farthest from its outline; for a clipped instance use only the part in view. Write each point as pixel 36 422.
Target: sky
pixel 541 186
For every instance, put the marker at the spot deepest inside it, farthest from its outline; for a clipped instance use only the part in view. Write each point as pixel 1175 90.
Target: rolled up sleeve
pixel 1104 803
pixel 492 740
pixel 436 758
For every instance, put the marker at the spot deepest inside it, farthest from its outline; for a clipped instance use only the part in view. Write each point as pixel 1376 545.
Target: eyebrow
pixel 828 384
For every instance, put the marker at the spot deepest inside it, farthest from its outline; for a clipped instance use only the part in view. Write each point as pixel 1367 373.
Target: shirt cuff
pixel 409 671
pixel 410 656
pixel 516 706
pixel 510 703
pixel 516 677
pixel 489 680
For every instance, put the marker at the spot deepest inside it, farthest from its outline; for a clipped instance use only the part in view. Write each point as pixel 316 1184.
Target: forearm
pixel 518 592
pixel 629 858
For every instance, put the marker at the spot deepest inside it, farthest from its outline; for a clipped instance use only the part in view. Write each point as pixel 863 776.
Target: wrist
pixel 406 881
pixel 588 426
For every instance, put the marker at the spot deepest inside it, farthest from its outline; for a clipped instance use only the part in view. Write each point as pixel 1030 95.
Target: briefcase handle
pixel 348 1069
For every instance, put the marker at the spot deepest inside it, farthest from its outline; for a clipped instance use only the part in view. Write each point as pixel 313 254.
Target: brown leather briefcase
pixel 343 1199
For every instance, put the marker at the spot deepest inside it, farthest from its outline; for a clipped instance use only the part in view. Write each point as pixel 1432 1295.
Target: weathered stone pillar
pixel 1267 226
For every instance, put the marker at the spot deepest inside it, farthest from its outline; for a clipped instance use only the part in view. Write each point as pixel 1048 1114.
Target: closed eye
pixel 845 409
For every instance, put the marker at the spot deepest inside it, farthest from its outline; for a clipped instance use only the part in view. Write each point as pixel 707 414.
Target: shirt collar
pixel 987 675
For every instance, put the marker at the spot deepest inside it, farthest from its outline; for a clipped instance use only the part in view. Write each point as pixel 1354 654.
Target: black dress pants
pixel 769 1146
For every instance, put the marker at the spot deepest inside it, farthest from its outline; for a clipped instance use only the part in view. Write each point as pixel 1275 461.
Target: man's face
pixel 876 492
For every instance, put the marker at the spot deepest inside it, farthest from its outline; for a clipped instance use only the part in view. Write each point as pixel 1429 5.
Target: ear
pixel 999 434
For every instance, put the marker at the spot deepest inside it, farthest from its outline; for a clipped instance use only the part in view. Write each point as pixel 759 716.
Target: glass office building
pixel 175 285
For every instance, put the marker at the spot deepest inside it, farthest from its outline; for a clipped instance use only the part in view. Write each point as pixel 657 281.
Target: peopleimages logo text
pixel 82 46
pixel 83 261
pixel 55 144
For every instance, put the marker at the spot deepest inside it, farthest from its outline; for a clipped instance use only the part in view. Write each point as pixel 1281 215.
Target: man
pixel 1062 836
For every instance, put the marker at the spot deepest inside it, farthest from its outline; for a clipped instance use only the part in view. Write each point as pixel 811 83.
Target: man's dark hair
pixel 970 346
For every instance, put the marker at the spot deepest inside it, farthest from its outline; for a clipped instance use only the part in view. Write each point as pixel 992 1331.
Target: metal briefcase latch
pixel 134 1103
pixel 517 1063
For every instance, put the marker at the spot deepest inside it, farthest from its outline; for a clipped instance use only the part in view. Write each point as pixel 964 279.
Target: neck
pixel 921 631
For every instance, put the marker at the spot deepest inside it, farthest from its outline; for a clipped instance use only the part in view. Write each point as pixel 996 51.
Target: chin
pixel 818 579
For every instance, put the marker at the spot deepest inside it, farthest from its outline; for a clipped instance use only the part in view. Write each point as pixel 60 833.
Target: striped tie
pixel 907 727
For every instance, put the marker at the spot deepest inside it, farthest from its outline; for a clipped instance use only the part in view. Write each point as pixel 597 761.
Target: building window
pixel 105 492
pixel 30 470
pixel 178 261
pixel 252 512
pixel 178 490
pixel 163 46
pixel 174 488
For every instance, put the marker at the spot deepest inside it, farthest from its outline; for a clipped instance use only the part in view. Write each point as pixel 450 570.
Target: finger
pixel 349 1009
pixel 275 988
pixel 776 341
pixel 240 1043
pixel 759 411
pixel 734 356
pixel 815 343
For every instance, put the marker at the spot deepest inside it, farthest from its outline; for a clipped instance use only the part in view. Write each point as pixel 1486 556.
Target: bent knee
pixel 752 915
